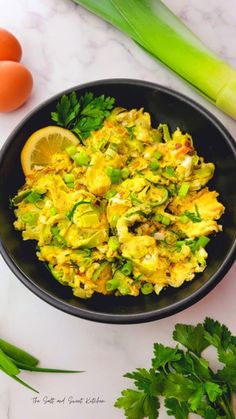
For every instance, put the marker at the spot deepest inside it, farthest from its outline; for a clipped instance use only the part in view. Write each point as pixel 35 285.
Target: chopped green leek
pixel 81 159
pixel 153 26
pixel 33 197
pixel 127 268
pixel 98 271
pixel 113 243
pixel 147 288
pixel 202 241
pixel 71 150
pixel 114 174
pixel 157 155
pixel 165 130
pixel 183 190
pixel 154 165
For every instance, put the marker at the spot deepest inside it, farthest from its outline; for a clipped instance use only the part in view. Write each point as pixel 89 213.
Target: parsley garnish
pixel 184 378
pixel 82 115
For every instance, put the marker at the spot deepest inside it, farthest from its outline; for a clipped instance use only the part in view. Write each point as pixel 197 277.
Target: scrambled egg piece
pixel 131 215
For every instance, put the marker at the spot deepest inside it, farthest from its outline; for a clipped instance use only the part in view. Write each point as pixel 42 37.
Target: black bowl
pixel 211 140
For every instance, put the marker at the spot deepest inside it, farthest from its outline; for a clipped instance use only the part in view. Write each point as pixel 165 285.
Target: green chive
pixel 147 288
pixel 18 354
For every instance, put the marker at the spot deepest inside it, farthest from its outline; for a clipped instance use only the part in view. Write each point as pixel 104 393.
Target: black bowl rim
pixel 123 318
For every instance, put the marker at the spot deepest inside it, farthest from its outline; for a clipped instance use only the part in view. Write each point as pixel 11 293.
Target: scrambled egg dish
pixel 126 213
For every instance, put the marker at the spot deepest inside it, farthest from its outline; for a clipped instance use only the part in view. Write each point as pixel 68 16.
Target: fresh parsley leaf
pixel 67 110
pixel 196 398
pixel 177 409
pixel 190 364
pixel 217 334
pixel 148 381
pixel 192 337
pixel 179 387
pixel 82 115
pixel 138 405
pixel 184 378
pixel 213 391
pixel 228 373
pixel 164 355
pixel 210 413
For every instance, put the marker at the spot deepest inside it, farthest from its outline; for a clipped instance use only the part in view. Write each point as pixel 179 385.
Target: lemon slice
pixel 42 144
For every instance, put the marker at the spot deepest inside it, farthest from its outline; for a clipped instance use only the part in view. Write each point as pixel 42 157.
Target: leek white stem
pixel 151 24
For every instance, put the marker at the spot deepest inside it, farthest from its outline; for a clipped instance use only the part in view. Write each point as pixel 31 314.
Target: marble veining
pixel 64 45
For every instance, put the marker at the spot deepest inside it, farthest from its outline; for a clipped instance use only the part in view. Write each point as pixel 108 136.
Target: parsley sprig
pixel 184 377
pixel 82 115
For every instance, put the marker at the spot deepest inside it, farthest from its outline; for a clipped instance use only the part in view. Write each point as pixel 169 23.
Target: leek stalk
pixel 154 27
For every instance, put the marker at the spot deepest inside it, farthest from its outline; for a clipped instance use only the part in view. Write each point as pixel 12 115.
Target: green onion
pixel 71 150
pixel 154 165
pixel 14 359
pixel 147 288
pixel 127 268
pixel 125 173
pixel 162 219
pixel 131 133
pixel 152 25
pixel 202 241
pixel 157 155
pixel 114 174
pixel 18 198
pixel 81 159
pixel 98 271
pixel 53 211
pixel 7 365
pixel 165 220
pixel 169 171
pixel 69 177
pixel 166 133
pixel 72 211
pixel 29 218
pixel 18 354
pixel 110 194
pixel 184 219
pixel 113 243
pixel 183 190
pixel 112 284
pixel 124 289
pixel 33 197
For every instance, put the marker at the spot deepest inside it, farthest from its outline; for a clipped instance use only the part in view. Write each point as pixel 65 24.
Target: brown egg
pixel 16 83
pixel 10 48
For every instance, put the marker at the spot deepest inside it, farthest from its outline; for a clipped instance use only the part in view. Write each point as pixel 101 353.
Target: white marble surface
pixel 63 46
